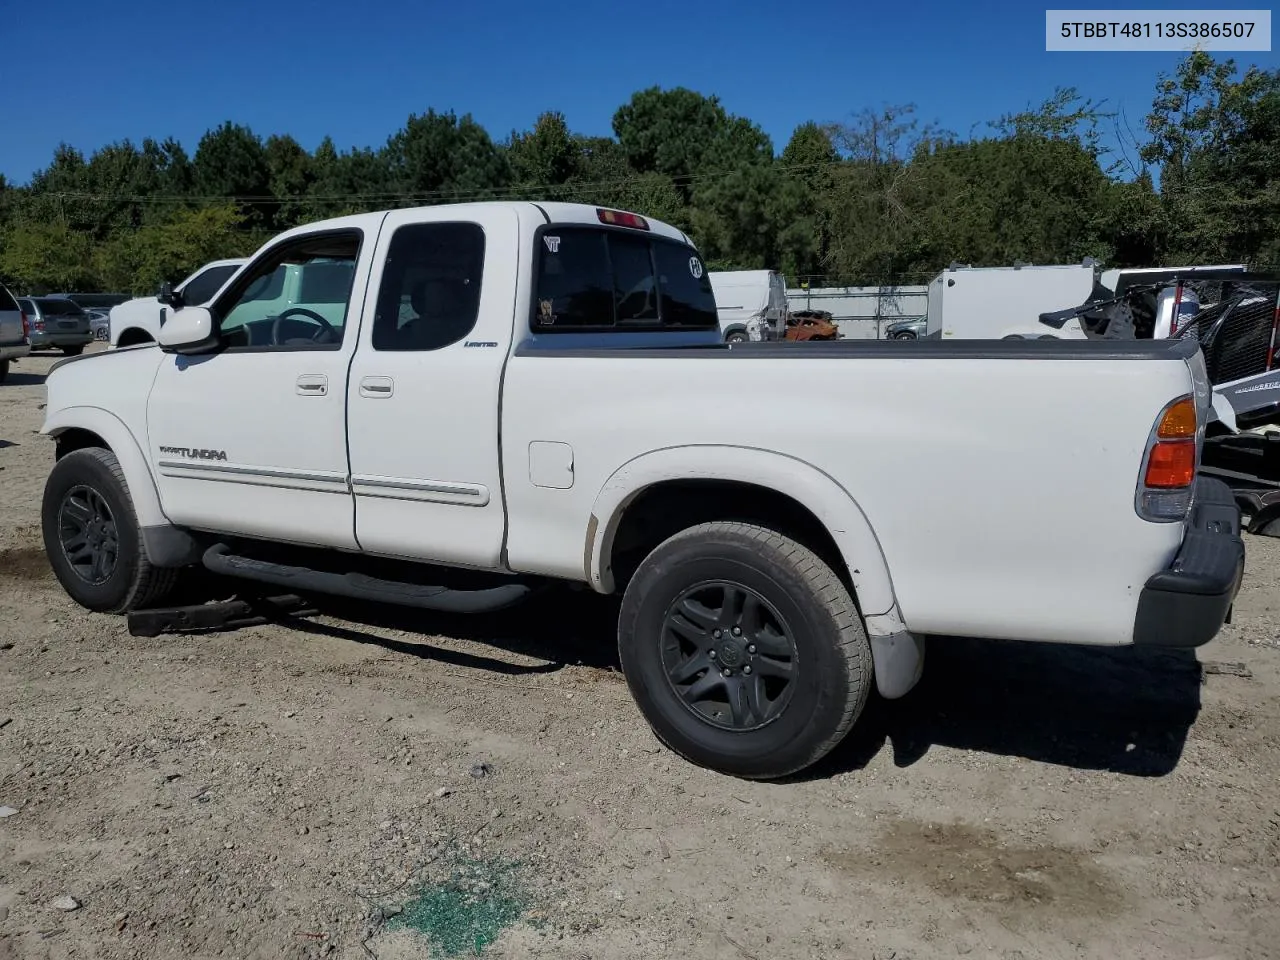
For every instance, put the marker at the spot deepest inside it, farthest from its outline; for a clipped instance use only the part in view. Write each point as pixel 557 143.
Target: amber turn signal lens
pixel 1179 421
pixel 1171 464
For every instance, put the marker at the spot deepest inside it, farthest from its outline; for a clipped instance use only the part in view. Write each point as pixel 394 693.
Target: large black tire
pixel 4 370
pixel 797 595
pixel 73 350
pixel 907 335
pixel 736 336
pixel 86 500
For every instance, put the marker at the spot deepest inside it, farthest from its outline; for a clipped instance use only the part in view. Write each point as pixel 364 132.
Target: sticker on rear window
pixel 695 268
pixel 553 244
pixel 545 315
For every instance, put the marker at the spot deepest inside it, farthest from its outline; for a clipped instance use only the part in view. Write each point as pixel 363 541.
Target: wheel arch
pixel 735 476
pixel 76 428
pixel 133 336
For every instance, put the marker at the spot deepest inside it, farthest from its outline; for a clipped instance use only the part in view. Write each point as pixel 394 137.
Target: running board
pixel 224 615
pixel 219 559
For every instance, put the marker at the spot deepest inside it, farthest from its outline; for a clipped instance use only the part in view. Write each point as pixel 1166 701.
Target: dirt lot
pixel 284 790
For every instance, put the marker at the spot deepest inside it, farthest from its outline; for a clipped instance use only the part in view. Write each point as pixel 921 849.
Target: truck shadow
pixel 18 379
pixel 560 627
pixel 1124 710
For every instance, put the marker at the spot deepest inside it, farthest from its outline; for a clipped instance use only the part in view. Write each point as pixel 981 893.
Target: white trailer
pixel 751 304
pixel 1000 303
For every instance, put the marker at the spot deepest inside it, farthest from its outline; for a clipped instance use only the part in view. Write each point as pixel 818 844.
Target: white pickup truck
pixel 536 392
pixel 139 320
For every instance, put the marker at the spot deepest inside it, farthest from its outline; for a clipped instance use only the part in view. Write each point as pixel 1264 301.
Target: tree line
pixel 880 198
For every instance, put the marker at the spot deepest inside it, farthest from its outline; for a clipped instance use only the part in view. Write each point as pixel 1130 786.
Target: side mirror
pixel 189 330
pixel 166 296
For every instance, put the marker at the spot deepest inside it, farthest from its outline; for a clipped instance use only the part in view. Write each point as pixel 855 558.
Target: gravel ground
pixel 278 790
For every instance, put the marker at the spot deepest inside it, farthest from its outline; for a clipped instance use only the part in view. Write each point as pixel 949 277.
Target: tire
pixel 793 590
pixel 4 370
pixel 73 350
pixel 89 484
pixel 737 336
pixel 904 336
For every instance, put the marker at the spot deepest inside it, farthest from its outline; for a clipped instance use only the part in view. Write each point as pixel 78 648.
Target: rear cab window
pixel 602 279
pixel 7 303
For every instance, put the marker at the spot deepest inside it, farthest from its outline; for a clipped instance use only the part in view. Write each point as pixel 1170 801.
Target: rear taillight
pixel 618 218
pixel 1170 463
pixel 26 327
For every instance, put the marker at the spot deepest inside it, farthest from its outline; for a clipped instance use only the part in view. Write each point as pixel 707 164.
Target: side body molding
pixel 804 483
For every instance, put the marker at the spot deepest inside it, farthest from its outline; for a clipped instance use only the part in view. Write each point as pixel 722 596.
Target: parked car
pixel 57 322
pixel 13 332
pixel 751 304
pixel 100 324
pixel 139 320
pixel 467 401
pixel 912 329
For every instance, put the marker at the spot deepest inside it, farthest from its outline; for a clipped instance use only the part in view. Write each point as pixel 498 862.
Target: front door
pixel 252 439
pixel 425 386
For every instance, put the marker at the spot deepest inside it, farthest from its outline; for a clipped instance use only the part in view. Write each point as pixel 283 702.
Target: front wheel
pixel 92 537
pixel 743 650
pixel 904 336
pixel 738 336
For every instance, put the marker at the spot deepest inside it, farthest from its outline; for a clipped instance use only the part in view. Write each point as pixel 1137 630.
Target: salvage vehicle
pixel 138 320
pixel 488 398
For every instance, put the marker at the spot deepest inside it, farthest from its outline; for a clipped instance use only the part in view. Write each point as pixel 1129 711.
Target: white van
pixel 999 303
pixel 751 304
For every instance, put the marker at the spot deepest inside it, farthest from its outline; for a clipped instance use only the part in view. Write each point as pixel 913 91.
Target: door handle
pixel 314 385
pixel 377 388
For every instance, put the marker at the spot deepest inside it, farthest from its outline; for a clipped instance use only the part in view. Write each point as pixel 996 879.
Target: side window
pixel 430 292
pixel 296 298
pixel 204 285
pixel 28 308
pixel 601 279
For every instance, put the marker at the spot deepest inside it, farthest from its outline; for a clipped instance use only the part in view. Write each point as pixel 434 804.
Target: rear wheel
pixel 73 350
pixel 743 650
pixel 92 537
pixel 738 336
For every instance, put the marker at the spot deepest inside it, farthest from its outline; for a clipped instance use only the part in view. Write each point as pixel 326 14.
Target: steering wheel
pixel 325 334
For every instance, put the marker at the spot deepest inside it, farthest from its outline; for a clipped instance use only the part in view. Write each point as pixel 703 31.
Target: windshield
pixel 203 286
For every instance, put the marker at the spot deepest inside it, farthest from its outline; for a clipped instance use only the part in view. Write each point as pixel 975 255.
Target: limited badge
pixel 553 244
pixel 695 268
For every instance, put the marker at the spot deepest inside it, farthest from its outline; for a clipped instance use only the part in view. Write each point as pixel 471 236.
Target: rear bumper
pixel 14 351
pixel 61 338
pixel 1187 604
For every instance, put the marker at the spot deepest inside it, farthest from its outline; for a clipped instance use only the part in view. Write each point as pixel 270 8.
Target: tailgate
pixel 10 327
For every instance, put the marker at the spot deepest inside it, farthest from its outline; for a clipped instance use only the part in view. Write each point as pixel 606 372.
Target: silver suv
pixel 57 322
pixel 13 332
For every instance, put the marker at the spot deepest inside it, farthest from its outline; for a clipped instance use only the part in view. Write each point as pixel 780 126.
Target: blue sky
pixel 88 72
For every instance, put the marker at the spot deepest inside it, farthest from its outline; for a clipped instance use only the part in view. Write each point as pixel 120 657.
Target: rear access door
pixel 425 386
